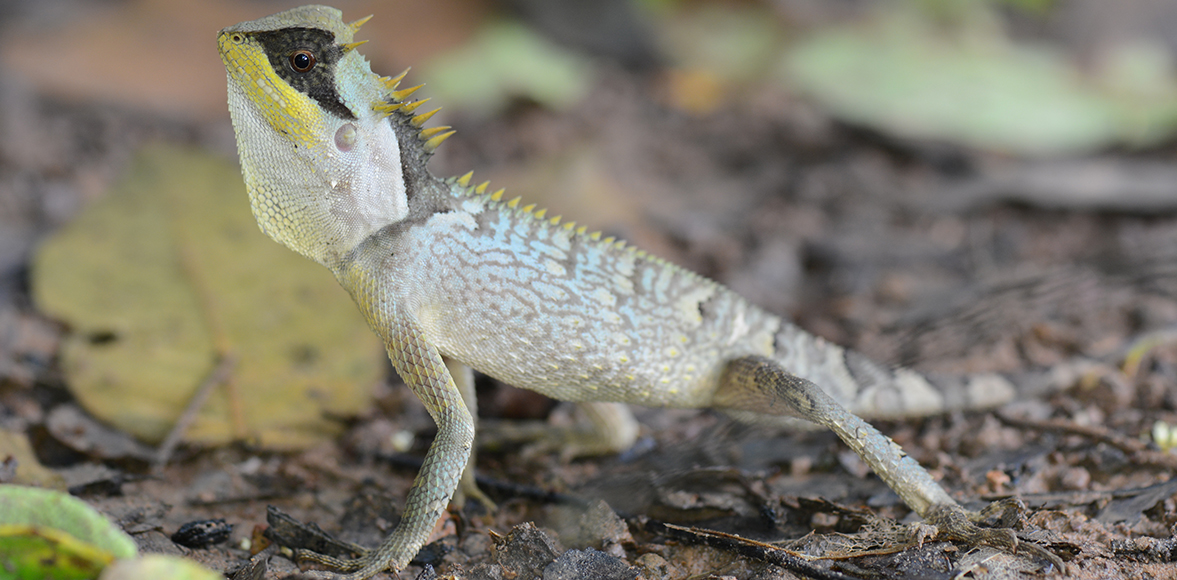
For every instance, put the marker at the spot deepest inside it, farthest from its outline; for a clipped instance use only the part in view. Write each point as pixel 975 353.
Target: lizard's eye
pixel 302 61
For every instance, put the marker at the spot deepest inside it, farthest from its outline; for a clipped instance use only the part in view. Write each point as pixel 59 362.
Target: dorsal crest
pixel 404 113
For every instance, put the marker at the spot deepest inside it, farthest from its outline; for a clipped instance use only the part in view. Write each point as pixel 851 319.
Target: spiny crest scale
pixel 356 24
pixel 419 120
pixel 570 227
pixel 431 132
pixel 392 82
pixel 403 93
pixel 386 109
pixel 409 108
pixel 432 144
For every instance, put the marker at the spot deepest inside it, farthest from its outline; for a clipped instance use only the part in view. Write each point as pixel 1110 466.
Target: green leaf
pixel 31 553
pixel 736 45
pixel 167 274
pixel 49 534
pixel 508 60
pixel 907 77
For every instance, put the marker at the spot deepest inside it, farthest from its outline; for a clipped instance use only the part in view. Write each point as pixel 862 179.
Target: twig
pixel 1138 452
pixel 747 548
pixel 219 375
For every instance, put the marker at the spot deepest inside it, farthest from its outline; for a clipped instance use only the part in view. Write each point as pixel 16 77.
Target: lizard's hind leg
pixel 467 488
pixel 759 384
pixel 601 429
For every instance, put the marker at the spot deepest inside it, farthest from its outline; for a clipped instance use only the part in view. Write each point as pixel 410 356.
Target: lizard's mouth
pixel 286 110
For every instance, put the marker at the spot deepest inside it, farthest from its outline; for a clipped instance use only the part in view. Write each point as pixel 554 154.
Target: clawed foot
pixel 337 564
pixel 957 523
pixel 360 568
pixel 309 543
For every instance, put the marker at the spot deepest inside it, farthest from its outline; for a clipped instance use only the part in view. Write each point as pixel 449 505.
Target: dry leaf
pixel 167 273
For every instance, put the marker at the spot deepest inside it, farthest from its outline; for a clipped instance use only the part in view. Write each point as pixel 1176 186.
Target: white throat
pixel 340 189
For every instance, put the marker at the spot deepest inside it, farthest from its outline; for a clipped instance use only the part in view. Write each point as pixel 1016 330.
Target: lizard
pixel 455 277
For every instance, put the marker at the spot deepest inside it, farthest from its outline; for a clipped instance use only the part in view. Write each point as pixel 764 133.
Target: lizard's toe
pixel 360 568
pixel 956 523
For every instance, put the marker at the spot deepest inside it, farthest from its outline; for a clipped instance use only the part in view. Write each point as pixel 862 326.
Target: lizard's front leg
pixel 421 366
pixel 761 385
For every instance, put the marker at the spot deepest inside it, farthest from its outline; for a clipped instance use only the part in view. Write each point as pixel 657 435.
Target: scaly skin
pixel 334 161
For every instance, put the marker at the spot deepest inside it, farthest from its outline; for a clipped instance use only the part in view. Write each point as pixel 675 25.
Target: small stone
pixel 589 564
pixel 525 551
pixel 202 533
pixel 652 566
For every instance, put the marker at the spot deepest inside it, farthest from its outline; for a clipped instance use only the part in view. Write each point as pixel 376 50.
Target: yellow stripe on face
pixel 287 110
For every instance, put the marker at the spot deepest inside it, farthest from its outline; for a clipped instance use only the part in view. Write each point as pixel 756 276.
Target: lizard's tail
pixel 873 390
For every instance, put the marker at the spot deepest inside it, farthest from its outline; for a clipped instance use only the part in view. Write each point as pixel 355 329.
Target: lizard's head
pixel 321 159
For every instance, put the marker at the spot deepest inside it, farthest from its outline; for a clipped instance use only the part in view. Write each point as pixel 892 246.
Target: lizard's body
pixel 452 277
pixel 540 306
